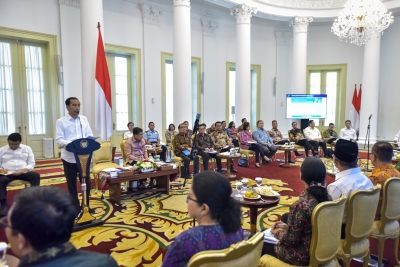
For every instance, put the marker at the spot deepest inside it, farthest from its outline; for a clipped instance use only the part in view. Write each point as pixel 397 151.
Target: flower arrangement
pixel 144 166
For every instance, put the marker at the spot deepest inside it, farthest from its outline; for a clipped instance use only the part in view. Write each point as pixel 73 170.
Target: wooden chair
pixel 326 225
pixel 361 208
pixel 102 159
pixel 388 225
pixel 243 254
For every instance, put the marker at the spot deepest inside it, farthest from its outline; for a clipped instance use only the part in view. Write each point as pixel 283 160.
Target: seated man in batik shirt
pixel 221 143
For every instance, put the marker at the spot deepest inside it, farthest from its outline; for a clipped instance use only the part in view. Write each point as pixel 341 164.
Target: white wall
pixel 389 115
pixel 324 48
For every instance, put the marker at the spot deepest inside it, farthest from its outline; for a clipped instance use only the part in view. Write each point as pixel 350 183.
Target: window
pixel 7 119
pixel 255 87
pixel 232 93
pixel 29 94
pixel 167 77
pixel 169 93
pixel 330 80
pixel 121 92
pixel 35 90
pixel 124 69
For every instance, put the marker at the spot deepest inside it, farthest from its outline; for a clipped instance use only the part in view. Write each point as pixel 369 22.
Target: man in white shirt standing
pixel 397 138
pixel 350 177
pixel 314 138
pixel 348 133
pixel 69 128
pixel 16 163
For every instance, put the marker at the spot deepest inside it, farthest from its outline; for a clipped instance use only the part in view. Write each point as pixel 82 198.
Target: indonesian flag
pixel 355 109
pixel 103 93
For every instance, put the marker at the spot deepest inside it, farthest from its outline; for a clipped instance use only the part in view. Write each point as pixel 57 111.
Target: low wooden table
pixel 287 151
pixel 228 164
pixel 161 177
pixel 254 205
pixel 156 150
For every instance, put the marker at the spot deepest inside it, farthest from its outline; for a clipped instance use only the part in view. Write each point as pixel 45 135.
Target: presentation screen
pixel 306 106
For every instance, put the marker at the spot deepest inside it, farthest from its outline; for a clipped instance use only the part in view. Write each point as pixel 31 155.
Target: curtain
pixel 35 90
pixel 7 115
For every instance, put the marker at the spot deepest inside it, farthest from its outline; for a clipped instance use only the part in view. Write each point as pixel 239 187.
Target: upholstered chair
pixel 122 145
pixel 388 225
pixel 243 254
pixel 246 152
pixel 326 226
pixel 102 159
pixel 290 140
pixel 361 209
pixel 178 160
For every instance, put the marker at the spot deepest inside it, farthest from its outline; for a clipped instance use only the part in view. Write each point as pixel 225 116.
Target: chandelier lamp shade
pixel 360 20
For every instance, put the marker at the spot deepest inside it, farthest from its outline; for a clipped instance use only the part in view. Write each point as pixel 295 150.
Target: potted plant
pixel 144 166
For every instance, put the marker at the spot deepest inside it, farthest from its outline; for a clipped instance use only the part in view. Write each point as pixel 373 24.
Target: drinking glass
pixel 245 183
pixel 239 188
pixel 258 181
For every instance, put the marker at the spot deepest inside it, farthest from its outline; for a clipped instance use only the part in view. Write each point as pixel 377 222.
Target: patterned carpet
pixel 139 231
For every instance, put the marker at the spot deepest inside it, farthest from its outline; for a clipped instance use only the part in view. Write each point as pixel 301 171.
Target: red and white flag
pixel 355 109
pixel 103 93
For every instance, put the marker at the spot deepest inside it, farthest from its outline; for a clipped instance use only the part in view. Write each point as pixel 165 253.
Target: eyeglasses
pixel 189 198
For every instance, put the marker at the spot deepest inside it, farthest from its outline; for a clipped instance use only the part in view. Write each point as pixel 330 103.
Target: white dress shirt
pixel 18 159
pixel 348 134
pixel 128 134
pixel 346 182
pixel 312 134
pixel 397 137
pixel 69 129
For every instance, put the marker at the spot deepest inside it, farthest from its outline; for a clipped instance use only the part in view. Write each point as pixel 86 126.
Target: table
pixel 287 151
pixel 254 205
pixel 228 164
pixel 162 182
pixel 156 150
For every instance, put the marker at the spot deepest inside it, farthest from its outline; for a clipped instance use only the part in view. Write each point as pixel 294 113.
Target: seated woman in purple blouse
pixel 245 137
pixel 218 215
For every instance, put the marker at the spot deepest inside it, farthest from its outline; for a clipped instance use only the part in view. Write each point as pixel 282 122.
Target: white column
pixel 370 88
pixel 182 62
pixel 283 74
pixel 300 26
pixel 91 14
pixel 243 15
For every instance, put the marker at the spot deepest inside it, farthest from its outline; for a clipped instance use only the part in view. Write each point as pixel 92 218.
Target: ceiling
pixel 285 10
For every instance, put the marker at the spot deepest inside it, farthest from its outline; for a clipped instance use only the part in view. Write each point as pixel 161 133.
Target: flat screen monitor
pixel 307 106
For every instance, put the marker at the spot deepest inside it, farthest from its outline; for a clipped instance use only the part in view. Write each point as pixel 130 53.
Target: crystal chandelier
pixel 360 19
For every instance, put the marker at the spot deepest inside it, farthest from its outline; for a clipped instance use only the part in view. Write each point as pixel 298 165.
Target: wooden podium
pixel 83 150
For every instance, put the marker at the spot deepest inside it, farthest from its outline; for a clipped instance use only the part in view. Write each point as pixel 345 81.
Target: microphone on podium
pixel 370 116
